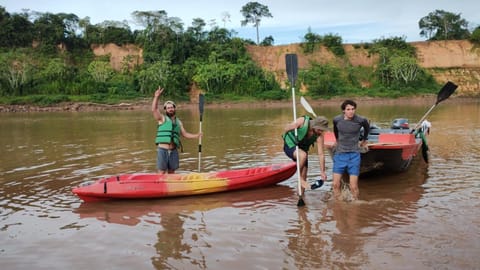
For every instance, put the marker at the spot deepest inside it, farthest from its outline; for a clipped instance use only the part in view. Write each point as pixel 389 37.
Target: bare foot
pixel 305 185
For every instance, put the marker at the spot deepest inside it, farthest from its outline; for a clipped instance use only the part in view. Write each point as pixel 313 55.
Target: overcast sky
pixel 354 20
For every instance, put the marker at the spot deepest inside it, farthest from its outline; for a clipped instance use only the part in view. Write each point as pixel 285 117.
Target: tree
pixel 253 13
pixel 197 29
pixel 311 41
pixel 15 72
pixel 475 37
pixel 225 18
pixel 15 30
pixel 268 41
pixel 54 29
pixel 161 38
pixel 100 71
pixel 404 69
pixel 443 25
pixel 397 63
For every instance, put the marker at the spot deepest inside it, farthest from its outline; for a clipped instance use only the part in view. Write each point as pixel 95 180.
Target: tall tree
pixel 15 30
pixel 443 25
pixel 253 13
pixel 161 38
pixel 225 18
pixel 197 29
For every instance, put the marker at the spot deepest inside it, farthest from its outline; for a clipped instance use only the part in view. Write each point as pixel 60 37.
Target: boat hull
pixel 135 186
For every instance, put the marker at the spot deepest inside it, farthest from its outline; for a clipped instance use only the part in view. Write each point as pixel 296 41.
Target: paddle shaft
pixel 444 93
pixel 296 146
pixel 423 118
pixel 292 70
pixel 200 146
pixel 200 109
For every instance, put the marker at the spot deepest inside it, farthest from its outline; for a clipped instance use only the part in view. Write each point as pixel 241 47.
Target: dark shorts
pixel 289 152
pixel 167 159
pixel 347 163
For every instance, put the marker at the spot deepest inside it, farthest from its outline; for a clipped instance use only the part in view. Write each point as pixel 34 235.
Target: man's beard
pixel 170 114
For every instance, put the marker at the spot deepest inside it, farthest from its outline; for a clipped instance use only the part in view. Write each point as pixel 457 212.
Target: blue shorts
pixel 289 152
pixel 347 163
pixel 167 160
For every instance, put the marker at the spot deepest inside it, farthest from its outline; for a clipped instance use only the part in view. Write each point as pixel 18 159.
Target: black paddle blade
pixel 446 91
pixel 300 202
pixel 201 101
pixel 291 62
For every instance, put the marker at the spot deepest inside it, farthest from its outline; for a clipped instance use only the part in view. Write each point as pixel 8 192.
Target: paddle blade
pixel 201 101
pixel 446 91
pixel 307 106
pixel 300 202
pixel 291 62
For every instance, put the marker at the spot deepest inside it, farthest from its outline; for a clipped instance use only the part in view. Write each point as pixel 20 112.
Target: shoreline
pixel 145 104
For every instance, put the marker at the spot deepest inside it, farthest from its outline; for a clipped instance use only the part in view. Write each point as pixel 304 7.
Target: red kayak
pixel 141 186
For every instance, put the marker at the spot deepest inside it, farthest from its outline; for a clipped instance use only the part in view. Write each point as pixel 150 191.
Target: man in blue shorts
pixel 346 157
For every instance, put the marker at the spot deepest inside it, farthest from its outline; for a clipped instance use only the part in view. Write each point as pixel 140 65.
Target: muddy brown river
pixel 424 218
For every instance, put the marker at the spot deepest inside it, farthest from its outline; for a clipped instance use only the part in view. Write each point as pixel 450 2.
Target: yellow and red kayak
pixel 142 186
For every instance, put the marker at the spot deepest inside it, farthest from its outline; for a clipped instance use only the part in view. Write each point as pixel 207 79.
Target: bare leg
pixel 302 160
pixel 354 187
pixel 336 185
pixel 303 174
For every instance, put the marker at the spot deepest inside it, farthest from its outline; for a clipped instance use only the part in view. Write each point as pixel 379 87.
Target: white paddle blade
pixel 307 106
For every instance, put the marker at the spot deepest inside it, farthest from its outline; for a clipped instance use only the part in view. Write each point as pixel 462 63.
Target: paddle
pixel 201 101
pixel 307 106
pixel 444 93
pixel 291 62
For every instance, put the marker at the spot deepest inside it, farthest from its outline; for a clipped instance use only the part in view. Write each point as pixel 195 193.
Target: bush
pixel 274 95
pixel 40 100
pixel 475 37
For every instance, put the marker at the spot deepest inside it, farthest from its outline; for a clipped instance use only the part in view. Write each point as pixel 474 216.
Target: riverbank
pixel 145 104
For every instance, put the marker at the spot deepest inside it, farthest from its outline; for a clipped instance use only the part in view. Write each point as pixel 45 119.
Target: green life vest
pixel 169 131
pixel 303 142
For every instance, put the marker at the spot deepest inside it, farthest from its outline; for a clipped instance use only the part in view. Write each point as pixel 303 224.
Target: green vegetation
pixel 62 67
pixel 397 74
pixel 443 25
pixel 475 37
pixel 313 41
pixel 47 58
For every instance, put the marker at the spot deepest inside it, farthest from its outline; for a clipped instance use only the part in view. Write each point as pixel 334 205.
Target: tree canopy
pixel 443 25
pixel 253 12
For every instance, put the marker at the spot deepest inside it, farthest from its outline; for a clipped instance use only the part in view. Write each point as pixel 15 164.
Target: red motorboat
pixel 134 186
pixel 389 150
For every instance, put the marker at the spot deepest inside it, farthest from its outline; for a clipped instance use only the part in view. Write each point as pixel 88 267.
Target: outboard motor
pixel 400 123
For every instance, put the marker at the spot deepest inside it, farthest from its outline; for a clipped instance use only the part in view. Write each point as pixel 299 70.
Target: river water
pixel 425 218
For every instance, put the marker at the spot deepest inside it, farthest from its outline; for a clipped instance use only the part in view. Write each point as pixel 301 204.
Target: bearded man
pixel 169 130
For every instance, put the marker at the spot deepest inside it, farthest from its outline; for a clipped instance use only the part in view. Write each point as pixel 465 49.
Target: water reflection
pixel 177 244
pixel 333 234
